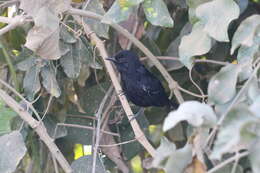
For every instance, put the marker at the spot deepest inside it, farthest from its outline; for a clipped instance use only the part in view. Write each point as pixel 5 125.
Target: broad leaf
pixel 209 13
pixel 6 116
pixel 117 14
pixel 192 9
pixel 196 113
pixel 31 81
pixel 84 164
pixel 196 43
pixel 231 131
pixel 43 38
pixel 245 34
pixel 222 86
pixel 169 158
pixel 49 81
pixel 71 61
pixel 12 149
pixel 157 13
pixel 254 157
pixel 97 7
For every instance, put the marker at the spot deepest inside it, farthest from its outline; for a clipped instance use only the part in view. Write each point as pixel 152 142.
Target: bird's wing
pixel 149 82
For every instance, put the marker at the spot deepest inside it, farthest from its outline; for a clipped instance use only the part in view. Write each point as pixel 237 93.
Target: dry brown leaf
pixel 130 25
pixel 196 167
pixel 113 153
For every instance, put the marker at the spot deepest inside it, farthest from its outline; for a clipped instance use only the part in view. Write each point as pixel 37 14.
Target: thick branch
pixel 38 127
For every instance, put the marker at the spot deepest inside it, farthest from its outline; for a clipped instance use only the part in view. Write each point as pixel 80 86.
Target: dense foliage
pixel 53 66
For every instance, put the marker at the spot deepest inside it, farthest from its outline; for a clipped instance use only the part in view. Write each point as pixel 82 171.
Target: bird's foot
pixel 140 112
pixel 121 93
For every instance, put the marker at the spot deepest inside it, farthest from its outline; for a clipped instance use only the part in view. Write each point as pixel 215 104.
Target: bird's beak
pixel 112 59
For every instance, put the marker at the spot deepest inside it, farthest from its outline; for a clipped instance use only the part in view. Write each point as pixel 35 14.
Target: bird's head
pixel 124 59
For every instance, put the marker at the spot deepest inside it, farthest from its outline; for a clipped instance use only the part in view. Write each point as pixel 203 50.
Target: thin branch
pixel 121 143
pixel 226 162
pixel 86 127
pixel 11 67
pixel 98 115
pixel 100 45
pixel 39 129
pixel 196 85
pixel 13 23
pixel 21 97
pixel 195 61
pixel 173 85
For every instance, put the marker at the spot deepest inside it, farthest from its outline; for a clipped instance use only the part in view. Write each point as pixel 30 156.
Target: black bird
pixel 140 86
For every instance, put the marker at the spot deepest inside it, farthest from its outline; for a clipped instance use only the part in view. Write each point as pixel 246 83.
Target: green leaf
pixel 230 134
pixel 117 14
pixel 246 32
pixel 192 9
pixel 168 158
pixel 84 164
pixel 26 64
pixel 179 160
pixel 196 113
pixel 254 157
pixel 31 81
pixel 165 150
pixel 157 13
pixel 100 29
pixel 222 86
pixel 86 54
pixel 196 43
pixel 49 81
pixel 253 89
pixel 67 36
pixel 53 130
pixel 215 25
pixel 6 116
pixel 173 49
pixel 12 149
pixel 71 61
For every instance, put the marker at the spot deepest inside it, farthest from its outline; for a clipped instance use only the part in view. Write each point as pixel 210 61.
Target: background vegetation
pixel 60 104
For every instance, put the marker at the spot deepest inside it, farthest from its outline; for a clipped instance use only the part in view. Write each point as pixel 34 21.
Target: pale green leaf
pixel 192 9
pixel 230 133
pixel 129 3
pixel 209 13
pixel 157 13
pixel 100 29
pixel 165 149
pixel 222 86
pixel 12 149
pixel 245 34
pixel 71 61
pixel 196 43
pixel 31 81
pixel 49 81
pixel 117 14
pixel 179 160
pixel 196 113
pixel 6 115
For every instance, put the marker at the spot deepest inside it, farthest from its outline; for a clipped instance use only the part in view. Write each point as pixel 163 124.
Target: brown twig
pixel 39 129
pixel 137 130
pixel 85 127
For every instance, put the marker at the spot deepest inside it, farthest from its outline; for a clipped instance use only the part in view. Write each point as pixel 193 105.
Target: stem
pixel 11 68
